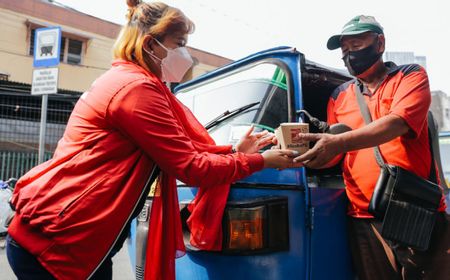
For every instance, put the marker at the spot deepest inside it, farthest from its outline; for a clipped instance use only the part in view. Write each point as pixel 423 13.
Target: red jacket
pixel 71 209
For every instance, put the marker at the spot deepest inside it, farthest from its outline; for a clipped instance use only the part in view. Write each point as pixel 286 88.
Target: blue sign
pixel 47 46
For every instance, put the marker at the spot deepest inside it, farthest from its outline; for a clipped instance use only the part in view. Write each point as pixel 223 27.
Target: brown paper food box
pixel 286 134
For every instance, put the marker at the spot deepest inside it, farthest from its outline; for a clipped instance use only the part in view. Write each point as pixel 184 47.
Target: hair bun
pixel 133 3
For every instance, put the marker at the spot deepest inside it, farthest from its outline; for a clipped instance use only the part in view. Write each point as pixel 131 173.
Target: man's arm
pixel 329 146
pixel 376 133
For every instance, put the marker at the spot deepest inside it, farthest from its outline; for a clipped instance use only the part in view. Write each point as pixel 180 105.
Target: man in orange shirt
pixel 398 98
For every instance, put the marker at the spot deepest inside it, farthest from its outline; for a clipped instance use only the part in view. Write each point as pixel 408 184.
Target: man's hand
pixel 327 147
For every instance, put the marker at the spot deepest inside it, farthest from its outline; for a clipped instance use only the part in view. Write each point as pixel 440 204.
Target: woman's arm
pixel 143 114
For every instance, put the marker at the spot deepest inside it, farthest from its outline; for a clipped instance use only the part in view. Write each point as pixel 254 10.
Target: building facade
pixel 86 53
pixel 440 106
pixel 86 46
pixel 405 58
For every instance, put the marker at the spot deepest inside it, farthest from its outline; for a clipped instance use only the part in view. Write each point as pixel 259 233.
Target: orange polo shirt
pixel 405 92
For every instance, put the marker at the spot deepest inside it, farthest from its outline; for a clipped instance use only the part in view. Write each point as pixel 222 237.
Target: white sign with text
pixel 45 81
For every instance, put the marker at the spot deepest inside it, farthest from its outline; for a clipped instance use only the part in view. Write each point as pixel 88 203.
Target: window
pixel 447 112
pixel 74 50
pixel 260 92
pixel 71 49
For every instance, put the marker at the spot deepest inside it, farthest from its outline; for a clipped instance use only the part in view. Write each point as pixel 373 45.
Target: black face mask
pixel 359 61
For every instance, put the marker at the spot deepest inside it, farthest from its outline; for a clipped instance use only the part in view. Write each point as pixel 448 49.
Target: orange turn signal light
pixel 246 228
pixel 256 225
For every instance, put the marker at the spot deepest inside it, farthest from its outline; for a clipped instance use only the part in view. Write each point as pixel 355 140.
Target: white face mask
pixel 175 65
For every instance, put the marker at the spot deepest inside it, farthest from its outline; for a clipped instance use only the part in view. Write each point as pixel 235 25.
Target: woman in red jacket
pixel 71 210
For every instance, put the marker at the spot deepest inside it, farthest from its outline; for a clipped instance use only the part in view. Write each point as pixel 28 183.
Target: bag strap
pixel 368 119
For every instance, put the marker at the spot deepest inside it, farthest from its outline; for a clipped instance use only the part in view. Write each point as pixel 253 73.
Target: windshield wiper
pixel 228 114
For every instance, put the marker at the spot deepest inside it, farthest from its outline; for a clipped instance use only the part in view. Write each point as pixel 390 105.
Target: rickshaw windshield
pixel 229 105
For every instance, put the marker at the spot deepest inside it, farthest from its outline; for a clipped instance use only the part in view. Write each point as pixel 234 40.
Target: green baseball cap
pixel 356 25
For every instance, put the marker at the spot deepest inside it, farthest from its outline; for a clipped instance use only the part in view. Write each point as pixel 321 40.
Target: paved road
pixel 121 266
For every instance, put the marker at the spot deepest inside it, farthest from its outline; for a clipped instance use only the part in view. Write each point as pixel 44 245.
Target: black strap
pixel 368 119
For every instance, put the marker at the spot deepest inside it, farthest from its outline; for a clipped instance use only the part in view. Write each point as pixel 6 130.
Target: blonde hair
pixel 156 19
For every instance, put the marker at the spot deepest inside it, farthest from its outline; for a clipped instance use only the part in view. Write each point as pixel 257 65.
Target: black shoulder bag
pixel 405 203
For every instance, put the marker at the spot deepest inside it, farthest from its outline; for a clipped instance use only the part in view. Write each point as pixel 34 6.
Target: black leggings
pixel 26 266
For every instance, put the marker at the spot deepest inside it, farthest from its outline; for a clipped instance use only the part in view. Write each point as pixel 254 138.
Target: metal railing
pixel 15 164
pixel 20 126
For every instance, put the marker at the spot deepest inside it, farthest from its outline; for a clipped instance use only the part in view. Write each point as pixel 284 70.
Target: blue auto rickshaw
pixel 288 224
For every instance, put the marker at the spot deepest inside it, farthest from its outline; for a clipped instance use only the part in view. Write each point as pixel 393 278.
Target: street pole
pixel 46 56
pixel 43 127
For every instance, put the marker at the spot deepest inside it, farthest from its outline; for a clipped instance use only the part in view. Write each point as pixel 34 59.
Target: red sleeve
pixel 228 149
pixel 412 100
pixel 143 114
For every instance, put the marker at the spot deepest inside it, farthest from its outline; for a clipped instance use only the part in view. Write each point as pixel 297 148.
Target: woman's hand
pixel 280 159
pixel 251 142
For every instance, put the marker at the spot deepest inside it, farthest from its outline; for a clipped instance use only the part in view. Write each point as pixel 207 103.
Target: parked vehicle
pixel 6 213
pixel 444 146
pixel 288 224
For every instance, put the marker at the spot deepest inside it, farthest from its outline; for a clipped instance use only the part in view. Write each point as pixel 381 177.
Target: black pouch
pixel 407 204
